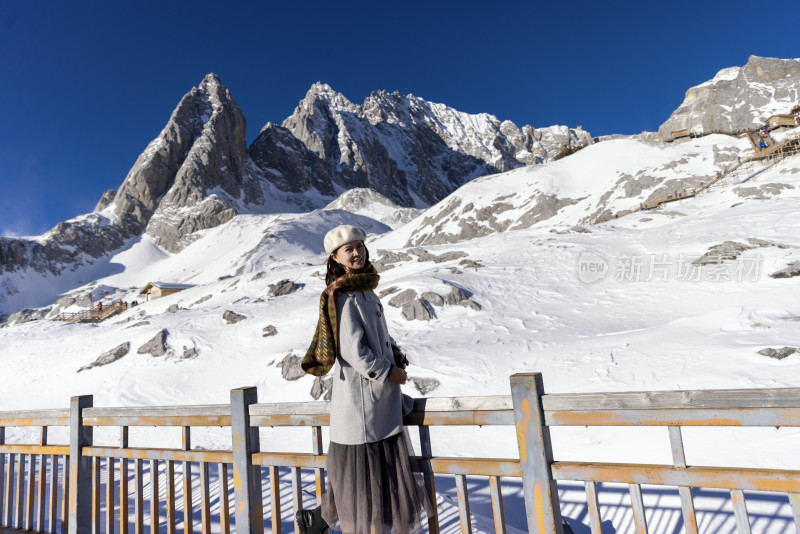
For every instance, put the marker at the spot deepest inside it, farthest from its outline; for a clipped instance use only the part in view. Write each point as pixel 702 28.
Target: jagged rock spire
pixel 199 161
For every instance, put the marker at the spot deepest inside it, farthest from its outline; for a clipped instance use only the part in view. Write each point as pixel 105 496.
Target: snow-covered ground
pixel 616 306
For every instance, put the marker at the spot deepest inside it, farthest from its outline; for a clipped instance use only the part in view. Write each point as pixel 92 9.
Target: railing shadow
pixel 768 512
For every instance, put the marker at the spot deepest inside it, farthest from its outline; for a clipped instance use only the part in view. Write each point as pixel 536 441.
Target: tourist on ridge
pixel 371 486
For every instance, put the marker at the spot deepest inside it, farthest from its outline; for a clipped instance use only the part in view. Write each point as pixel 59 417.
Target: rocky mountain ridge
pixel 738 98
pixel 402 152
pixel 199 173
pixel 412 151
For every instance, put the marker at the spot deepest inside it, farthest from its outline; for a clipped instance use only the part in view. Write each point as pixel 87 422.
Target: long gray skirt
pixel 371 488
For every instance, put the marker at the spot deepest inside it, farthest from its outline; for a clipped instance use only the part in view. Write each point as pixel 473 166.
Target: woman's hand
pixel 398 376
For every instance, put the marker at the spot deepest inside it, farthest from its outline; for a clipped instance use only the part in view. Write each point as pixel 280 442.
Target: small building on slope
pixel 156 290
pixel 777 121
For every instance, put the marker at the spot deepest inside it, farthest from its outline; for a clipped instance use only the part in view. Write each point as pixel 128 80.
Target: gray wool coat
pixel 365 405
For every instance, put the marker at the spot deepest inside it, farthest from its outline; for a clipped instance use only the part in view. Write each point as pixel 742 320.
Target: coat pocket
pixel 380 390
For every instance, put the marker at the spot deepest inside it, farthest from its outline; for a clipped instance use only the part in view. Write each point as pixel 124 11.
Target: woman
pixel 371 487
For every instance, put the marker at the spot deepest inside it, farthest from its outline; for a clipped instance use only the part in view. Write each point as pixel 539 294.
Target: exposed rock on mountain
pixel 105 200
pixel 322 388
pixel 563 192
pixel 195 174
pixel 790 271
pixel 57 257
pixel 26 315
pixel 778 354
pixel 290 368
pixel 424 385
pixel 231 317
pixel 409 150
pixel 282 287
pixel 157 346
pixel 108 357
pixel 269 331
pixel 69 244
pixel 731 250
pixel 738 97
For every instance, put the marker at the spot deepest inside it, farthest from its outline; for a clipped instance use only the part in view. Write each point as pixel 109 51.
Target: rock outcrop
pixel 779 353
pixel 231 317
pixel 108 357
pixel 290 368
pixel 157 346
pixel 281 288
pixel 738 98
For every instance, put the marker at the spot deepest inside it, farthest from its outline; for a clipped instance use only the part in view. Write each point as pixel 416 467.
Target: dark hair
pixel 335 269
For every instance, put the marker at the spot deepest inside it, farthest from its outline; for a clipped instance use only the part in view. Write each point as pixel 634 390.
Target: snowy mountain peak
pixel 211 82
pixel 410 150
pixel 195 174
pixel 322 94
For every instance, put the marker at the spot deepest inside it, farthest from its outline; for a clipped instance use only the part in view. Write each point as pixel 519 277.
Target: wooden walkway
pixel 93 315
pixel 772 155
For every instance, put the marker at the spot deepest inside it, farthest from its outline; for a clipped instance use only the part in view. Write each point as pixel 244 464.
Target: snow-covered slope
pixel 367 202
pixel 598 183
pixel 251 252
pixel 533 309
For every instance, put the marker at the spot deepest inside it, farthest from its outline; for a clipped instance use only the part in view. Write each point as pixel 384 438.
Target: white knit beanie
pixel 341 235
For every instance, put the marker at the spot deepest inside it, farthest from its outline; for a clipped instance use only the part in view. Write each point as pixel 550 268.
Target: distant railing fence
pixel 95 314
pixel 34 495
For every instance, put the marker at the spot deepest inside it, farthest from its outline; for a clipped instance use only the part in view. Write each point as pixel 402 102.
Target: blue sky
pixel 86 85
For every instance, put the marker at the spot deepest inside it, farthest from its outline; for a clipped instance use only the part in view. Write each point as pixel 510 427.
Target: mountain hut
pixel 156 290
pixel 781 120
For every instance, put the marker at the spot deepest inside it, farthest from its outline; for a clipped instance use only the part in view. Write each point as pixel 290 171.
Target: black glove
pixel 400 359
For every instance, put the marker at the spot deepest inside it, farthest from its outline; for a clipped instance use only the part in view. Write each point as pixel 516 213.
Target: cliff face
pixel 412 151
pixel 738 98
pixel 194 175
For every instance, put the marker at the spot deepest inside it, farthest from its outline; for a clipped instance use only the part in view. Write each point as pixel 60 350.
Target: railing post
pixel 80 468
pixel 246 476
pixel 2 477
pixel 535 455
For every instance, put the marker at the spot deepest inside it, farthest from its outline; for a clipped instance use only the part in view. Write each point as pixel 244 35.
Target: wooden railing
pixel 32 498
pixel 93 315
pixel 41 506
pixel 675 410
